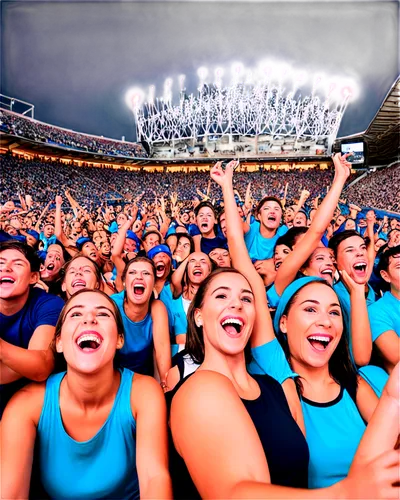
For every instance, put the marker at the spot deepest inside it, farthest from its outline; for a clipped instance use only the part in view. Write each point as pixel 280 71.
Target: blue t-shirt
pixel 137 351
pixel 384 315
pixel 176 315
pixel 40 309
pixel 270 359
pixel 208 244
pixel 102 467
pixel 261 248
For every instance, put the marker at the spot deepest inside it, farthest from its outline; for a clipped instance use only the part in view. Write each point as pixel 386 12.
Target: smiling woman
pixel 89 417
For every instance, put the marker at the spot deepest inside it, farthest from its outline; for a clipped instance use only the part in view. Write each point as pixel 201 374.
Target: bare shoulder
pixel 145 392
pixel 28 401
pixel 157 306
pixel 204 387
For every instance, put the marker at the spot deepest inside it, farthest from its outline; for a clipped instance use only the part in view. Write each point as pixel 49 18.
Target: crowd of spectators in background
pixel 41 132
pixel 380 189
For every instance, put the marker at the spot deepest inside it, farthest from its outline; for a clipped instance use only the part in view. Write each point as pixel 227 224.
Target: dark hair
pixel 292 235
pixel 384 260
pixel 60 363
pixel 265 199
pixel 185 278
pixel 179 236
pixel 336 239
pixel 194 336
pixel 27 251
pixel 204 204
pixel 341 368
pixel 219 217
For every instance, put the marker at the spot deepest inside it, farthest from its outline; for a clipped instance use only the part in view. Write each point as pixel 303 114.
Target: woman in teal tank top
pixel 99 432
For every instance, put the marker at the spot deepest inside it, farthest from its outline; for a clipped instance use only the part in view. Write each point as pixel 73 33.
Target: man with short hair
pixel 28 317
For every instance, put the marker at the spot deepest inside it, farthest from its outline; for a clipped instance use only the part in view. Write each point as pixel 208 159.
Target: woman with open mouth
pixel 237 435
pixel 145 321
pixel 99 430
pixel 79 273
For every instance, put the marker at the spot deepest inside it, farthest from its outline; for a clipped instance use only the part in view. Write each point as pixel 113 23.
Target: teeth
pixel 327 271
pixel 139 286
pixel 320 338
pixel 78 283
pixel 89 337
pixel 7 280
pixel 232 321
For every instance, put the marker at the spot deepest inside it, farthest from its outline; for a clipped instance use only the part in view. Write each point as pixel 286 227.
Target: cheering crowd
pixel 219 334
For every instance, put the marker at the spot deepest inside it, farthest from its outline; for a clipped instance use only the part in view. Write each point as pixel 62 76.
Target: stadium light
pixel 202 73
pixel 300 78
pixel 262 106
pixel 268 70
pixel 283 71
pixel 237 70
pixel 134 98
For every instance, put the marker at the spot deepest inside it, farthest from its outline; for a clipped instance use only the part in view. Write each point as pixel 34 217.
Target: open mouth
pixel 78 284
pixel 50 267
pixel 271 218
pixel 277 265
pixel 160 268
pixel 138 289
pixel 327 273
pixel 204 225
pixel 233 326
pixel 197 272
pixel 7 280
pixel 89 342
pixel 93 255
pixel 360 268
pixel 320 342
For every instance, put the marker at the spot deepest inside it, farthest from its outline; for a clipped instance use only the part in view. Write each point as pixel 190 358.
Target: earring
pixel 199 324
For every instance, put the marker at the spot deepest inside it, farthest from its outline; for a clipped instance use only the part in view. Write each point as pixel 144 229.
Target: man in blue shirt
pixel 260 236
pixel 28 317
pixel 384 314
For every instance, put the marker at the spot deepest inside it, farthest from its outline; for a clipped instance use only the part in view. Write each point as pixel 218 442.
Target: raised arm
pixel 360 335
pixel 292 264
pixel 263 331
pixel 177 277
pixel 58 230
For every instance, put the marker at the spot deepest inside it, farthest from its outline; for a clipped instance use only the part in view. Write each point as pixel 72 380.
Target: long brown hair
pixel 194 335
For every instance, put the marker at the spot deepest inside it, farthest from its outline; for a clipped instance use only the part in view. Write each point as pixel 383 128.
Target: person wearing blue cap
pixel 162 258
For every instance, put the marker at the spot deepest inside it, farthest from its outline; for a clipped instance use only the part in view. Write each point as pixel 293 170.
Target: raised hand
pixel 342 166
pixel 223 177
pixel 351 285
pixel 58 200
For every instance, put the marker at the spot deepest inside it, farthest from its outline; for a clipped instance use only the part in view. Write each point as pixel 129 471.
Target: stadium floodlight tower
pixel 264 105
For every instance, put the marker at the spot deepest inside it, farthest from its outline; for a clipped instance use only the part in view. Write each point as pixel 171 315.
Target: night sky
pixel 75 60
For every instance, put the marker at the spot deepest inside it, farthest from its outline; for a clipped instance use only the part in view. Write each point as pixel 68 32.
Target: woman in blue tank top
pixel 145 321
pixel 99 431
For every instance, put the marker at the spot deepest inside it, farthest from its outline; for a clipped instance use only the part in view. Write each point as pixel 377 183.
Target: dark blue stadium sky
pixel 75 60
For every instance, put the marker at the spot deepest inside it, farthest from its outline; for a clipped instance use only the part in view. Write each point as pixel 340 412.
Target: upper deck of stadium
pixel 25 135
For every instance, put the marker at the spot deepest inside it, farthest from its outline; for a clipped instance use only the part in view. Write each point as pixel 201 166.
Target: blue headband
pixel 291 290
